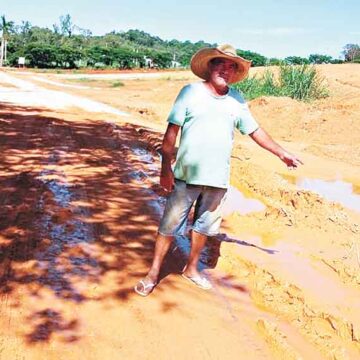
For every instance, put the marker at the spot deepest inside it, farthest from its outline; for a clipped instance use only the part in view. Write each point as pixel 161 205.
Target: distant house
pixel 149 62
pixel 21 61
pixel 174 63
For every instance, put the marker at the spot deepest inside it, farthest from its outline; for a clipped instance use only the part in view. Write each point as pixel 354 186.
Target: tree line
pixel 68 46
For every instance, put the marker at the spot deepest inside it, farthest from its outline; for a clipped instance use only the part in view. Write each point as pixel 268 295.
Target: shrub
pixel 298 82
pixel 254 87
pixel 301 82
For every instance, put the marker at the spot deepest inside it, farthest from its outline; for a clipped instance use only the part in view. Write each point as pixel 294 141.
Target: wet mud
pixel 80 204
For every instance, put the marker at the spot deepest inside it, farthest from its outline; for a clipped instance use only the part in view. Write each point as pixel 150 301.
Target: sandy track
pixel 26 93
pixel 78 232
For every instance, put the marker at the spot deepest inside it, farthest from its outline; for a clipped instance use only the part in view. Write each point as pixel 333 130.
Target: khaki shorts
pixel 208 209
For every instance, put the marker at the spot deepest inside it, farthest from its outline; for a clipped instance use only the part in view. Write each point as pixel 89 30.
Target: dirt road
pixel 79 209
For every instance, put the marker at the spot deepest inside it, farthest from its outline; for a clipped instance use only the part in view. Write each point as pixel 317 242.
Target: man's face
pixel 221 71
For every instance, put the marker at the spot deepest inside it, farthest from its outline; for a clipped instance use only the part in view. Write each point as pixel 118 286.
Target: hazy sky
pixel 274 28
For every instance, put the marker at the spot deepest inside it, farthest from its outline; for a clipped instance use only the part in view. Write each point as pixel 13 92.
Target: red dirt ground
pixel 80 207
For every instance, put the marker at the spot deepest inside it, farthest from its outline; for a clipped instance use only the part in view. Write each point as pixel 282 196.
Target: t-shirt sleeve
pixel 179 111
pixel 245 122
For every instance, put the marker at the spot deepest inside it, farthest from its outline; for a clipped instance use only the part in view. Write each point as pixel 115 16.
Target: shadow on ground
pixel 71 211
pixel 74 212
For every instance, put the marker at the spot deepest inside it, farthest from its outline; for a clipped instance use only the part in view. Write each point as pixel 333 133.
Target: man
pixel 207 113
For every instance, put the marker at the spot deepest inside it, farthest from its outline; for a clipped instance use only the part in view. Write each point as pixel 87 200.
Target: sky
pixel 274 28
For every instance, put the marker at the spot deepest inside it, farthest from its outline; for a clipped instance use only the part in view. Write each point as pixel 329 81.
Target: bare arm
pixel 262 138
pixel 168 152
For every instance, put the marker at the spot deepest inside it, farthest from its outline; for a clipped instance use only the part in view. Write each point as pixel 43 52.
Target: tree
pixel 162 59
pixel 6 27
pixel 25 28
pixel 337 61
pixel 296 60
pixel 67 57
pixel 66 25
pixel 142 38
pixel 66 44
pixel 86 33
pixel 255 58
pixel 125 58
pixel 351 52
pixel 274 62
pixel 320 59
pixel 43 36
pixel 98 55
pixel 42 55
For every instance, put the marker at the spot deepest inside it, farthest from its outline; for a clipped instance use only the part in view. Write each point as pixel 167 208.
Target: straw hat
pixel 200 61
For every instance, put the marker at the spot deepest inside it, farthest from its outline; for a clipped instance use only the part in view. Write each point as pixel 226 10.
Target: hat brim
pixel 200 63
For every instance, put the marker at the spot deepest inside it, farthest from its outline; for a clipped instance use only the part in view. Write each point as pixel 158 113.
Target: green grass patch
pixel 298 82
pixel 116 84
pixel 97 82
pixel 47 71
pixel 83 80
pixel 174 78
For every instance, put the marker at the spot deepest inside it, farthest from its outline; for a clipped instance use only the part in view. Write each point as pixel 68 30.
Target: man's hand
pixel 262 138
pixel 291 161
pixel 167 180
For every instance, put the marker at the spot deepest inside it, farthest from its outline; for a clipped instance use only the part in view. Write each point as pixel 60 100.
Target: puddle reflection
pixel 237 202
pixel 338 191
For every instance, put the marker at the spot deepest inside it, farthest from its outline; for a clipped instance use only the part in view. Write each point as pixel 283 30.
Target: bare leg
pixel 145 286
pixel 198 241
pixel 161 248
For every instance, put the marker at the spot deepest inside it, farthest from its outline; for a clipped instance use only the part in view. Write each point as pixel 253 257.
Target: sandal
pixel 199 281
pixel 144 289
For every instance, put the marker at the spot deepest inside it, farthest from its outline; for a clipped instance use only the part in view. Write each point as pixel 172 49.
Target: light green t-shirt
pixel 207 132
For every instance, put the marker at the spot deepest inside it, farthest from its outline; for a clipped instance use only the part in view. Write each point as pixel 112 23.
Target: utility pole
pixel 2 49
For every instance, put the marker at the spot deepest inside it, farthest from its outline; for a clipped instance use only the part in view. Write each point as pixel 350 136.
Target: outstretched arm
pixel 167 153
pixel 262 138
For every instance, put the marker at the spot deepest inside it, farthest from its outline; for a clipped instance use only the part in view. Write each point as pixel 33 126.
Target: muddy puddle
pixel 64 229
pixel 237 202
pixel 338 191
pixel 342 192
